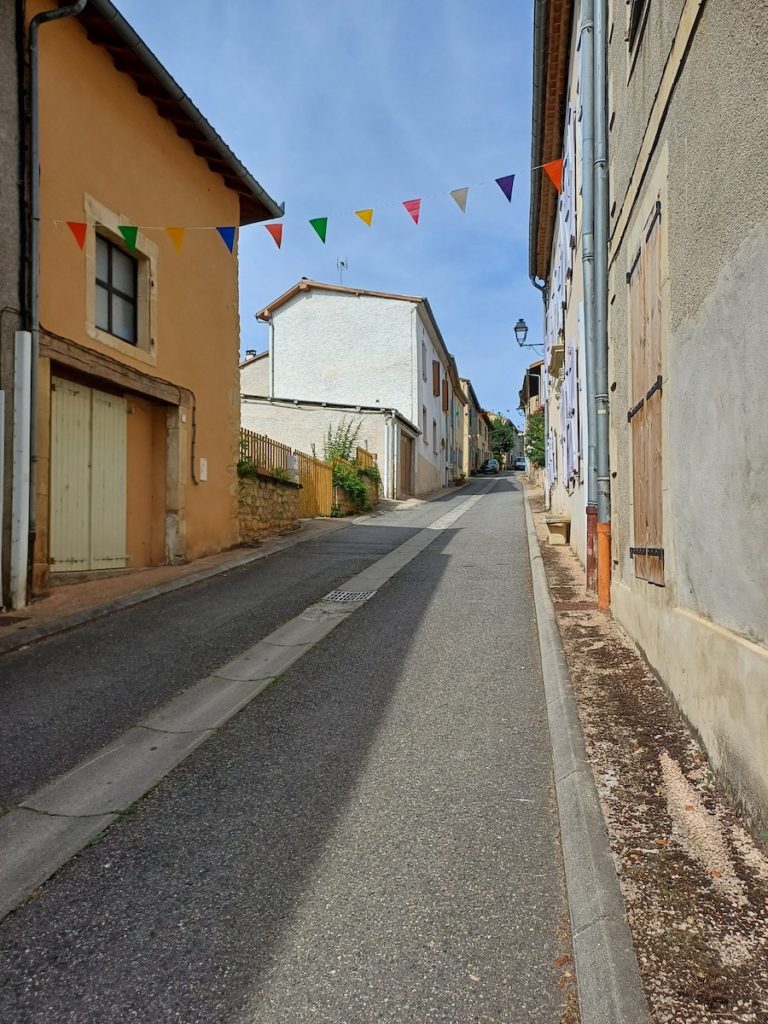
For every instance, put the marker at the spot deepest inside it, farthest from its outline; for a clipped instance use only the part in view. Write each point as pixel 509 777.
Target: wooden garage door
pixel 88 478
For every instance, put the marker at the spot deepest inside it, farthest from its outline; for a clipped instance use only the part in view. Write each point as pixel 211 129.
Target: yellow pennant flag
pixel 366 216
pixel 176 235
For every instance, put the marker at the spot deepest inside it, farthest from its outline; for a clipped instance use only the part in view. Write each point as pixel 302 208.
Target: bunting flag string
pixel 413 206
pixel 554 171
pixel 176 236
pixel 276 230
pixel 228 233
pixel 78 230
pixel 320 224
pixel 460 196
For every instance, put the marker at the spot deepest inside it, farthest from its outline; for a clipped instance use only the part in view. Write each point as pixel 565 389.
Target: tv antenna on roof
pixel 342 263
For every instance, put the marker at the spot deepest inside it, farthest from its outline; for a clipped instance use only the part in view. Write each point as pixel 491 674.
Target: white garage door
pixel 88 478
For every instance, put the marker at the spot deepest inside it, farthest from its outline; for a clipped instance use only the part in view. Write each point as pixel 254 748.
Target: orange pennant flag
pixel 176 235
pixel 78 230
pixel 554 171
pixel 366 216
pixel 276 230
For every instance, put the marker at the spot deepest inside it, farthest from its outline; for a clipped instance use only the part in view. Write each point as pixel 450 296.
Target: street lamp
pixel 521 332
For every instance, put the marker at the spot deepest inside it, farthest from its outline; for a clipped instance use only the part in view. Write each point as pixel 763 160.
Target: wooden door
pixel 405 467
pixel 88 478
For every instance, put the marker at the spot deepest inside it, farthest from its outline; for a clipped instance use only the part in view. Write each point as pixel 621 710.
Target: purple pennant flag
pixel 227 236
pixel 505 184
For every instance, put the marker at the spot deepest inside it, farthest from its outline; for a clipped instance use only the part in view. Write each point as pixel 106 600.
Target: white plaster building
pixel 352 348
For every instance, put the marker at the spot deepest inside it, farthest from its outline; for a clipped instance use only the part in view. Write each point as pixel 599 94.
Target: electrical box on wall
pixel 203 470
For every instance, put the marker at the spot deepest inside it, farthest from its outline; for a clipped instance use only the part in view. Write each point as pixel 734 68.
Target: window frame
pixel 106 223
pixel 112 290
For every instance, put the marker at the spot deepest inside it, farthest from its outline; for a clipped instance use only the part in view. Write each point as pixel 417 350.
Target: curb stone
pixel 607 977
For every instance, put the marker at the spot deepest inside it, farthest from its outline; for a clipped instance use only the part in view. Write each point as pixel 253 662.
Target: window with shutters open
pixel 445 395
pixel 645 413
pixel 435 378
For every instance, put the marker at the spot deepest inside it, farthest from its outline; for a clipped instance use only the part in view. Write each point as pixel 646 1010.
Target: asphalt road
pixel 372 839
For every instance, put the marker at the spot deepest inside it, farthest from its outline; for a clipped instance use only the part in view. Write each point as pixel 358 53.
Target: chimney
pixel 250 353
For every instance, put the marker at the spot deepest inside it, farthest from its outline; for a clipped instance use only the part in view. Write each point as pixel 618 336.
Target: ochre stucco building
pixel 138 387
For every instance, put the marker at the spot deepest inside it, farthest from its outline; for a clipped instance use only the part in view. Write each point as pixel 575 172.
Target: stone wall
pixel 267 506
pixel 347 506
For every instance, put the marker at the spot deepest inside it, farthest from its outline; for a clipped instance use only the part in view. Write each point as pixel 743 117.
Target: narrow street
pixel 373 838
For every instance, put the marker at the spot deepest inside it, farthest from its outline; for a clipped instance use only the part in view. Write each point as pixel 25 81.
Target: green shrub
pixel 341 441
pixel 534 439
pixel 347 477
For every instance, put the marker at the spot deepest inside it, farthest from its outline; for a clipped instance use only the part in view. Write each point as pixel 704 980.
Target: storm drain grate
pixel 349 596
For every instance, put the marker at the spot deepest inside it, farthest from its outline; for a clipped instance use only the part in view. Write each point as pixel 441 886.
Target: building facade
pixel 686 309
pixel 688 345
pixel 137 382
pixel 476 431
pixel 372 349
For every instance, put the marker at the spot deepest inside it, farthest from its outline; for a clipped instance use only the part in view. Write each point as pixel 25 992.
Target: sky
pixel 343 105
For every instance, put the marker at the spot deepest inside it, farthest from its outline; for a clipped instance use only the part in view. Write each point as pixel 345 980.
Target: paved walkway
pixel 371 839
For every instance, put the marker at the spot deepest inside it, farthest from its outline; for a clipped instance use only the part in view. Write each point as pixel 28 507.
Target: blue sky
pixel 340 105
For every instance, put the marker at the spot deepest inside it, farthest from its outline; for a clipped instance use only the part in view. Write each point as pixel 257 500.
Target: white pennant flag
pixel 460 195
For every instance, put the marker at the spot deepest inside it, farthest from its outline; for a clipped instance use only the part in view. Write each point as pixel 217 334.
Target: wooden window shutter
pixel 645 414
pixel 435 377
pixel 445 395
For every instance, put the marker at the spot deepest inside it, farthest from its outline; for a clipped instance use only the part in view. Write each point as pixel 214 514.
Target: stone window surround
pixel 104 221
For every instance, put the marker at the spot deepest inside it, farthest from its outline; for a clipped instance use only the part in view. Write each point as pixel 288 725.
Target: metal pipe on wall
pixel 601 302
pixel 22 374
pixel 587 93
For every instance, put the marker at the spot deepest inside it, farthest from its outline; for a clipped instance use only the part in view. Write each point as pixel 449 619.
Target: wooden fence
pixel 315 477
pixel 262 452
pixel 365 459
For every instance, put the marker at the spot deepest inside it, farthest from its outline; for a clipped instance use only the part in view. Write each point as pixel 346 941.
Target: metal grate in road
pixel 349 596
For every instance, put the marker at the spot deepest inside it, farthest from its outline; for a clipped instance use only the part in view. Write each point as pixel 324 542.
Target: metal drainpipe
pixel 601 307
pixel 34 242
pixel 588 269
pixel 547 492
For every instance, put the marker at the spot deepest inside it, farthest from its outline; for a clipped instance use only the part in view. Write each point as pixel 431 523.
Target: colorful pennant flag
pixel 554 171
pixel 78 230
pixel 176 235
pixel 227 237
pixel 460 195
pixel 129 233
pixel 320 224
pixel 413 206
pixel 366 216
pixel 505 184
pixel 276 230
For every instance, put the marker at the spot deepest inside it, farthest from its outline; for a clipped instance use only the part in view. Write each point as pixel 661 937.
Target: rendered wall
pixel 706 631
pixel 254 377
pixel 142 170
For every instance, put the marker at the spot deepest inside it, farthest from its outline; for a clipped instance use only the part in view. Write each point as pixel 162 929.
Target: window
pixel 435 378
pixel 645 414
pixel 424 424
pixel 434 436
pixel 116 291
pixel 445 395
pixel 424 360
pixel 637 16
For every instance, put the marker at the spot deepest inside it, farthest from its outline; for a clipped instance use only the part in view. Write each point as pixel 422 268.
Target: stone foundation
pixel 267 506
pixel 347 506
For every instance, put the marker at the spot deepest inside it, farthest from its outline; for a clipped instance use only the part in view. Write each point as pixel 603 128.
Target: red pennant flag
pixel 413 206
pixel 78 230
pixel 276 230
pixel 554 171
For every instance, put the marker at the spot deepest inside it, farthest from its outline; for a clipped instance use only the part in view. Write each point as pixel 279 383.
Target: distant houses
pixel 337 352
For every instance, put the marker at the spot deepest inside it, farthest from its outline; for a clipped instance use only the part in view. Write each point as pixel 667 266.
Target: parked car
pixel 519 462
pixel 490 466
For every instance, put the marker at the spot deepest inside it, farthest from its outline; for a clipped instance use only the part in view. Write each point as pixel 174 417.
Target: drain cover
pixel 349 596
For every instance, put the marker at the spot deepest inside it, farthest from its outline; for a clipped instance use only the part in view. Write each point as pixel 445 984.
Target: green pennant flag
pixel 129 234
pixel 320 224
